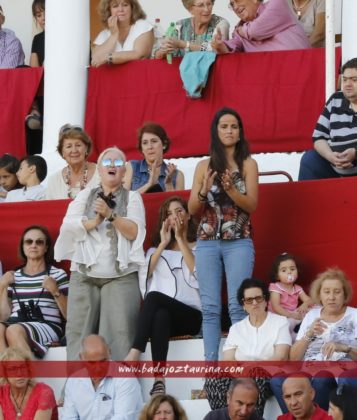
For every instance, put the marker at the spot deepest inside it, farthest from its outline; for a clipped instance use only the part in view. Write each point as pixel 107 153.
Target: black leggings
pixel 162 317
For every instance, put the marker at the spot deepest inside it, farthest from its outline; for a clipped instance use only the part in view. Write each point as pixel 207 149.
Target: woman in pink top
pixel 270 26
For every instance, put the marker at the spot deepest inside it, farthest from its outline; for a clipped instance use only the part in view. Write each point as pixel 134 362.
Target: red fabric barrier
pixel 17 92
pixel 279 95
pixel 316 220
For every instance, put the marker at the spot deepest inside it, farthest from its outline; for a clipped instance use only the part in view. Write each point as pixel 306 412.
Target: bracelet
pixel 202 197
pixel 110 59
pixel 307 338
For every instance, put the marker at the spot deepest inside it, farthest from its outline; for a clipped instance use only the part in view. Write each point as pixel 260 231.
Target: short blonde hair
pixel 14 353
pixel 136 10
pixel 110 149
pixel 332 273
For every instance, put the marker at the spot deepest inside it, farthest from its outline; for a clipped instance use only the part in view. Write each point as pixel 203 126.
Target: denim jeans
pixel 214 258
pixel 314 166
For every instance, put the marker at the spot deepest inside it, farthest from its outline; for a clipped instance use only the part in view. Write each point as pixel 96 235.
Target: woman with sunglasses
pixel 33 298
pixel 103 234
pixel 74 146
pixel 196 32
pixel 20 395
pixel 261 335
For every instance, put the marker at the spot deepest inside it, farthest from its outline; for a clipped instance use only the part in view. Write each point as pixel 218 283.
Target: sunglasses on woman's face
pixel 38 242
pixel 118 163
pixel 250 300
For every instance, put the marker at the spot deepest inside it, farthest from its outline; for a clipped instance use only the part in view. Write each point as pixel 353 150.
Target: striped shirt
pixel 338 126
pixel 11 52
pixel 30 287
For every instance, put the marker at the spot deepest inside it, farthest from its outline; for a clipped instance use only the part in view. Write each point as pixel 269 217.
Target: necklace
pixel 299 8
pixel 18 407
pixel 82 183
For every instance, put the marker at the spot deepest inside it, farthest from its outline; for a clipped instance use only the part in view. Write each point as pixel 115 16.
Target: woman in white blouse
pixel 102 234
pixel 169 286
pixel 127 37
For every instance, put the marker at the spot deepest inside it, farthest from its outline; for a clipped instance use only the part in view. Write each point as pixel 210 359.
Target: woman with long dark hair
pixel 225 191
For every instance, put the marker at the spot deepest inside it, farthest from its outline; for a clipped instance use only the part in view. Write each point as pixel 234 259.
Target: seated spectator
pixel 21 396
pixel 335 134
pixel 152 174
pixel 163 407
pixel 104 397
pixel 169 287
pixel 34 119
pixel 102 234
pixel 311 16
pixel 74 146
pixel 343 403
pixel 9 165
pixel 32 171
pixel 267 26
pixel 242 397
pixel 299 397
pixel 328 332
pixel 262 335
pixel 33 299
pixel 128 35
pixel 11 52
pixel 285 293
pixel 195 33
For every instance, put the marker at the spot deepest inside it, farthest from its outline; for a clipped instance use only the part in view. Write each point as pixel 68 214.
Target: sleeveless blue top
pixel 141 175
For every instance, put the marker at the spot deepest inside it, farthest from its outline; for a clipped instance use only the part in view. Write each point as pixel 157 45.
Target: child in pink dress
pixel 284 293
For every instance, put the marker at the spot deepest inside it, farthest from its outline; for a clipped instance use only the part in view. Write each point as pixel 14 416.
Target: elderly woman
pixel 127 37
pixel 328 332
pixel 267 26
pixel 21 396
pixel 195 33
pixel 74 146
pixel 311 16
pixel 152 174
pixel 102 234
pixel 33 299
pixel 262 335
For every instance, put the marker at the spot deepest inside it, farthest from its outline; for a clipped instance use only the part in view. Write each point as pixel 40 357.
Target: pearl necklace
pixel 19 407
pixel 82 183
pixel 299 8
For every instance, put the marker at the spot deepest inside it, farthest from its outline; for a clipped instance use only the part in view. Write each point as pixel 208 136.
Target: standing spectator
pixel 21 396
pixel 299 396
pixel 128 35
pixel 225 188
pixel 74 146
pixel 102 234
pixel 311 16
pixel 11 52
pixel 242 397
pixel 335 134
pixel 171 301
pixel 104 397
pixel 9 165
pixel 269 26
pixel 152 174
pixel 32 171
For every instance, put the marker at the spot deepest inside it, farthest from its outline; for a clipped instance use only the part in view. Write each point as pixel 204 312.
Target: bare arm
pixel 281 352
pixel 318 34
pixel 180 179
pixel 128 177
pixel 50 284
pixel 5 306
pixel 275 303
pixel 202 183
pixel 229 355
pixel 248 201
pixel 34 60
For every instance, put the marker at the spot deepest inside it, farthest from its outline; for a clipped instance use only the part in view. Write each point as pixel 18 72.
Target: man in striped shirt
pixel 335 134
pixel 11 52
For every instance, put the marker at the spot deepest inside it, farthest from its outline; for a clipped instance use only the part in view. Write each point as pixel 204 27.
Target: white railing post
pixel 330 81
pixel 349 19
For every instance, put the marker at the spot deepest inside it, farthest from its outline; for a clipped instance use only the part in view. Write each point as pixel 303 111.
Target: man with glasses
pixel 11 52
pixel 97 395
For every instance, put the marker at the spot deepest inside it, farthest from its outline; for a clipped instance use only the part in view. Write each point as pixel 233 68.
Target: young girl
pixel 9 165
pixel 284 293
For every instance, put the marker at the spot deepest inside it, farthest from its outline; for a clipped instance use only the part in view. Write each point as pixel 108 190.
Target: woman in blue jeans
pixel 225 191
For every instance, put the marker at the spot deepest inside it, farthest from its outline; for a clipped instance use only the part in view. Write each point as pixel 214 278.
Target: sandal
pixel 158 388
pixel 33 122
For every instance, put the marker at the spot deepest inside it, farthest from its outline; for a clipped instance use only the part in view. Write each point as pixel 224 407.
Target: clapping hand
pixel 208 181
pixel 217 43
pixel 227 180
pixel 8 278
pixel 165 233
pixel 171 168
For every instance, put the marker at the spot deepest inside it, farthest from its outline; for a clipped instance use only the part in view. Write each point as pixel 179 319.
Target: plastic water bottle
pixel 158 34
pixel 170 33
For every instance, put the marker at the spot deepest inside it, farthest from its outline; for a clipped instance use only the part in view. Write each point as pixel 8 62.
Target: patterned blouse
pixel 221 217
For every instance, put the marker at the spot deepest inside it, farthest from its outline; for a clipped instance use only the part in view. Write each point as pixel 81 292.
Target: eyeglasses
pixel 69 127
pixel 39 242
pixel 250 300
pixel 118 163
pixel 203 5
